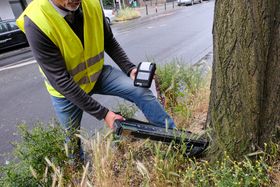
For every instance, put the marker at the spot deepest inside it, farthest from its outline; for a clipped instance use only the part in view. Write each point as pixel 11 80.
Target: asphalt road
pixel 184 33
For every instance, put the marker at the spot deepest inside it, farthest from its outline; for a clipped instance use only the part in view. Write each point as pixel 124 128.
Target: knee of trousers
pixel 143 94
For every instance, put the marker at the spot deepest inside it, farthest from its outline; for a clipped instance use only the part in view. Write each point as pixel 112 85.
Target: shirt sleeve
pixel 50 60
pixel 115 51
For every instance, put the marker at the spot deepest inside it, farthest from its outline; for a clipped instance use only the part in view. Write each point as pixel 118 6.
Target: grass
pixel 145 163
pixel 186 91
pixel 41 156
pixel 127 14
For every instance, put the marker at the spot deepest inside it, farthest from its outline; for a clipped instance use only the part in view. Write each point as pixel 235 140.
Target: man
pixel 68 39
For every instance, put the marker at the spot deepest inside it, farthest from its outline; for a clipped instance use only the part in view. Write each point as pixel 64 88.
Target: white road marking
pixel 17 65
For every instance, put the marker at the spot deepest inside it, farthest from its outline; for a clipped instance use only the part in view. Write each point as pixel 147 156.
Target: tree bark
pixel 244 109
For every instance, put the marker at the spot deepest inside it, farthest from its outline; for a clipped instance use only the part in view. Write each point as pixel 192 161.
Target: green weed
pixel 29 167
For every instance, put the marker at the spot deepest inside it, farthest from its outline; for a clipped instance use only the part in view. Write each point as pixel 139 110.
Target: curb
pixel 6 55
pixel 143 16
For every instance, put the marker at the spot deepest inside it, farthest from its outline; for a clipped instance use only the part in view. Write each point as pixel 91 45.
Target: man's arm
pixel 52 63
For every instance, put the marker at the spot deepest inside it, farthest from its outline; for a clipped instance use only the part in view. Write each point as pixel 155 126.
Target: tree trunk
pixel 244 110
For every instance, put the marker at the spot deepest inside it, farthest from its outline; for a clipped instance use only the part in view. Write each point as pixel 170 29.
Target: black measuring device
pixel 143 130
pixel 145 74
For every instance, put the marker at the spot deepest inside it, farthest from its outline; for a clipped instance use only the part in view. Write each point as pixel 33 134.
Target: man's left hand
pixel 133 73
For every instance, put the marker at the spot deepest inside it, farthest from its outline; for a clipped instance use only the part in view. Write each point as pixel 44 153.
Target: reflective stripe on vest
pixel 83 63
pixel 82 66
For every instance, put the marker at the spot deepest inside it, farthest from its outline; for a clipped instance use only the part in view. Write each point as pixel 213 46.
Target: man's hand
pixel 133 73
pixel 111 117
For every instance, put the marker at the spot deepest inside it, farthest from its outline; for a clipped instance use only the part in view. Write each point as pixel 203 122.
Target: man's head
pixel 70 5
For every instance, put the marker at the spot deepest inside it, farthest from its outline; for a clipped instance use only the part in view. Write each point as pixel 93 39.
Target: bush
pixel 29 168
pixel 127 14
pixel 108 4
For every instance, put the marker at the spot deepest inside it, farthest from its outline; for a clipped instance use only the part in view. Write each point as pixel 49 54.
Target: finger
pixel 119 117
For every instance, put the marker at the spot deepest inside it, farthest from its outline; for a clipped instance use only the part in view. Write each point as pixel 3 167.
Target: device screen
pixel 143 76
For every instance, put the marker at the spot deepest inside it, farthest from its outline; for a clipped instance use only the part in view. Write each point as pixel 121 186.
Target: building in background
pixel 11 9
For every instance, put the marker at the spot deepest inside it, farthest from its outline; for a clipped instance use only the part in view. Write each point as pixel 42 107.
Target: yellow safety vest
pixel 84 64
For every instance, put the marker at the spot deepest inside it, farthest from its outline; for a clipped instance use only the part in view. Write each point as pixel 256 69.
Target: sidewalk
pixel 153 8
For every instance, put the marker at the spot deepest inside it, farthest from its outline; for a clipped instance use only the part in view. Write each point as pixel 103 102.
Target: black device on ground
pixel 143 130
pixel 145 74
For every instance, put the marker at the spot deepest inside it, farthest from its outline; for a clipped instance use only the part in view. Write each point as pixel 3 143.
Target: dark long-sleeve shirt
pixel 49 58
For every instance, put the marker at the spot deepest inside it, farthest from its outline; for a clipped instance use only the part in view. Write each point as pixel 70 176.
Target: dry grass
pixel 197 104
pixel 145 163
pixel 142 162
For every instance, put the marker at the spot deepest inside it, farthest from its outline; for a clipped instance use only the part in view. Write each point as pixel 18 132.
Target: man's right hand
pixel 111 117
